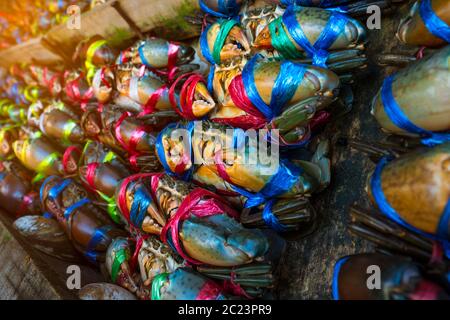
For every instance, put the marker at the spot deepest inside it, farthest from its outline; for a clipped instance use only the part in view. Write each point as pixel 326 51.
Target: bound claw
pixel 374 227
pixel 392 148
pixel 295 215
pixel 253 280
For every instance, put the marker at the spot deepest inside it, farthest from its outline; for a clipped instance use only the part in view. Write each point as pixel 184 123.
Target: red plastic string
pixel 320 118
pixel 240 98
pixel 48 82
pixel 235 288
pixel 186 94
pixel 67 154
pixel 90 174
pixel 134 259
pixel 437 255
pixel 420 53
pixel 150 105
pixel 73 92
pixel 220 166
pixel 26 202
pixel 195 203
pixel 136 135
pixel 103 79
pixel 425 290
pixel 209 291
pixel 245 122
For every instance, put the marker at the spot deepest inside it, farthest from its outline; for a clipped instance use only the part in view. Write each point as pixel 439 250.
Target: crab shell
pixel 316 82
pixel 422 90
pixel 185 284
pixel 104 291
pixel 140 89
pixel 38 73
pixel 8 135
pixel 417 186
pixel 53 124
pixel 101 125
pixel 31 152
pixel 13 190
pixel 400 279
pixel 103 92
pixel 46 235
pixel 252 176
pixel 155 52
pixel 106 177
pixel 313 21
pixel 412 29
pixel 218 239
pixel 103 55
pixel 85 220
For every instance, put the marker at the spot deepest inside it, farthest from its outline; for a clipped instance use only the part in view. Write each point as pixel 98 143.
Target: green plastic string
pixel 281 41
pixel 157 284
pixel 120 257
pixel 225 28
pixel 111 207
pixel 68 127
pixel 44 164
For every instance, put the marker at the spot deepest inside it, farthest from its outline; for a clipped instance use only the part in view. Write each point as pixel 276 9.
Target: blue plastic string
pixel 288 80
pixel 41 190
pixel 335 283
pixel 142 56
pixel 141 202
pixel 100 235
pixel 386 208
pixel 161 152
pixel 75 206
pixel 399 118
pixel 270 219
pixel 281 182
pixel 58 188
pixel 434 24
pixel 318 51
pixel 227 8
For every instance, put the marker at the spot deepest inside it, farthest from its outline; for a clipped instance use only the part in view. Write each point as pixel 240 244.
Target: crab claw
pixel 263 39
pixel 222 241
pixel 102 84
pixel 203 102
pixel 236 45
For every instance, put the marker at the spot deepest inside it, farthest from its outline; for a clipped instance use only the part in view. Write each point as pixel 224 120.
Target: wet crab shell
pixel 412 29
pixel 422 92
pixel 104 291
pixel 155 53
pixel 313 22
pixel 317 81
pixel 185 284
pixel 417 187
pixel 400 279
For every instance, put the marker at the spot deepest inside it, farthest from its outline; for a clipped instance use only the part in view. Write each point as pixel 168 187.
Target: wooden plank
pixel 29 52
pixel 164 18
pixel 26 273
pixel 102 20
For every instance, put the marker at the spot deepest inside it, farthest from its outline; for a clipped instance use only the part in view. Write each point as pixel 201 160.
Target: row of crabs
pixel 142 89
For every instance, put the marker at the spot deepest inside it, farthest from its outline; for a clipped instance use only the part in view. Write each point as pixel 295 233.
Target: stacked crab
pixel 141 159
pixel 410 184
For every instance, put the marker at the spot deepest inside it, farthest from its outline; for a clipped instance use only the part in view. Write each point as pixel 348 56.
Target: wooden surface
pixel 308 271
pixel 32 51
pixel 27 274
